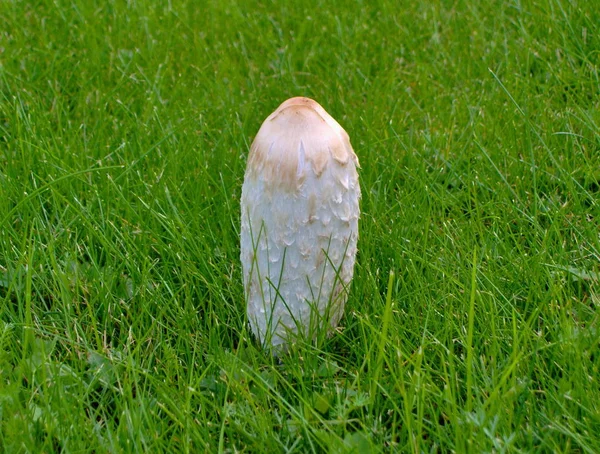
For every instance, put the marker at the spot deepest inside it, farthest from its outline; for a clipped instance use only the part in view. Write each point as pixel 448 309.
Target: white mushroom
pixel 299 223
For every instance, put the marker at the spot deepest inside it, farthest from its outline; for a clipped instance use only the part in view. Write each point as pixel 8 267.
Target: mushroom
pixel 299 224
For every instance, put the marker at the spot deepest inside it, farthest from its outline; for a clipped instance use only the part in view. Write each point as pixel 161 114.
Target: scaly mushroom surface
pixel 299 223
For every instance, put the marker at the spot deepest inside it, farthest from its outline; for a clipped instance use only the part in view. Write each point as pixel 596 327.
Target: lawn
pixel 473 322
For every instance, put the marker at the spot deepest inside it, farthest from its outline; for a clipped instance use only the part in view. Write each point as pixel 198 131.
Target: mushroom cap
pixel 299 229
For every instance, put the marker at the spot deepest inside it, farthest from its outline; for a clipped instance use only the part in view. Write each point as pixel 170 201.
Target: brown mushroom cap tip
pixel 299 134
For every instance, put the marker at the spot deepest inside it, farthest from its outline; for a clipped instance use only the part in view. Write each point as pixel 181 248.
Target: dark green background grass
pixel 124 130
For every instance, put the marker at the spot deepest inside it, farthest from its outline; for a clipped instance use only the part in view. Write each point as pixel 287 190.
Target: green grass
pixel 473 322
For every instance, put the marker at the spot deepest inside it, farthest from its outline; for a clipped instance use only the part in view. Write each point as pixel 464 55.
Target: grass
pixel 473 321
